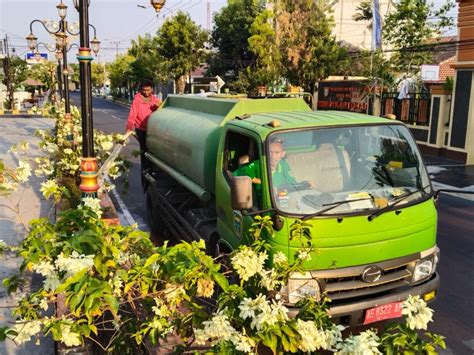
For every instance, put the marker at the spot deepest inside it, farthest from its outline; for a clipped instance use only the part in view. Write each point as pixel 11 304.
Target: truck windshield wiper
pixel 396 201
pixel 332 206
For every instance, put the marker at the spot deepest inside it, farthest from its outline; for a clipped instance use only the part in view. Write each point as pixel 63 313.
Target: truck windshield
pixel 367 166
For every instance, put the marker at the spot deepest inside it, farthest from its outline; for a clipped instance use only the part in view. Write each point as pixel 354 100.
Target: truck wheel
pixel 153 217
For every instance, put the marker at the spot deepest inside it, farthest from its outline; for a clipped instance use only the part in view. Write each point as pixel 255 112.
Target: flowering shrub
pixel 115 282
pixel 62 151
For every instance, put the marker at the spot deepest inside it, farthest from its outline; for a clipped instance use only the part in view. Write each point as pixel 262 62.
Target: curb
pixel 15 113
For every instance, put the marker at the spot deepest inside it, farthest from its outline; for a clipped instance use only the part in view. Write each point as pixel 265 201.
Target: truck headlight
pixel 302 286
pixel 425 268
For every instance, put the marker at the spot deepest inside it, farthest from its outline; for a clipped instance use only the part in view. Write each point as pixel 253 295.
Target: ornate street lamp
pixel 157 4
pixel 60 31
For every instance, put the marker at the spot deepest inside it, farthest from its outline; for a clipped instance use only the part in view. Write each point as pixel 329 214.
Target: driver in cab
pixel 282 180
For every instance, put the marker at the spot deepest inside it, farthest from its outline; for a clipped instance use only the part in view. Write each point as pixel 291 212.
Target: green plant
pixel 61 155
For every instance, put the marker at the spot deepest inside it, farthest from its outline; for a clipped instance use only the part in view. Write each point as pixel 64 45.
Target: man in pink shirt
pixel 143 105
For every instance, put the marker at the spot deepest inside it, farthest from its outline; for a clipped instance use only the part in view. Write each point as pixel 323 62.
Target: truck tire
pixel 154 218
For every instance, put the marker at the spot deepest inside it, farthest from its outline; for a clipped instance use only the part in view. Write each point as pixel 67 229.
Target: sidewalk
pixel 30 205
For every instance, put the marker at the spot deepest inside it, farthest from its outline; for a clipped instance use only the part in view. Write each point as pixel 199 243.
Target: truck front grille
pixel 347 283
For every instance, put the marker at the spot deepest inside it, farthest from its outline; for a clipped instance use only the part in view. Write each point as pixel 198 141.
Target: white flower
pixel 51 283
pixel 279 258
pixel 44 304
pixel 270 279
pixel 93 204
pixel 248 306
pixel 44 268
pixel 417 312
pixel 304 255
pixel 242 342
pixel 50 188
pixel 270 315
pixel 26 330
pixel 366 343
pixel 247 262
pixel 74 263
pixel 23 172
pixel 8 185
pixel 217 329
pixel 312 338
pixel 334 336
pixel 69 338
pixel 68 151
pixel 106 145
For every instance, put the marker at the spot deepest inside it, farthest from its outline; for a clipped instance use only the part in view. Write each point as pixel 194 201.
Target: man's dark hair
pixel 146 83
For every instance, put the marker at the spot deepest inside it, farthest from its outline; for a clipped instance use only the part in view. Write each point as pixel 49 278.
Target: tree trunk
pixel 181 84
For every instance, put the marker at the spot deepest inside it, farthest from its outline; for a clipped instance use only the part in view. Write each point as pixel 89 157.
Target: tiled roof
pixel 445 69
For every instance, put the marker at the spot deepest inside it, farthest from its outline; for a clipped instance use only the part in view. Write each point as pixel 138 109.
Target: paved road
pixel 454 309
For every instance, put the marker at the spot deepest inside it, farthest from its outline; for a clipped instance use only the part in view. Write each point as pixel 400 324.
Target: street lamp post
pixel 89 185
pixel 60 31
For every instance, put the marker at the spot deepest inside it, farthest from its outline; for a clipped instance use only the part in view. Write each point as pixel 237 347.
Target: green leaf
pixel 151 260
pixel 221 281
pixel 113 303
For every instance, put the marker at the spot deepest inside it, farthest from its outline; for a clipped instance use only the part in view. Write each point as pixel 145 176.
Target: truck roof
pixel 290 120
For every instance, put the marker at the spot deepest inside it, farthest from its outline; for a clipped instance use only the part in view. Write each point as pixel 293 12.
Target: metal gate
pixel 414 110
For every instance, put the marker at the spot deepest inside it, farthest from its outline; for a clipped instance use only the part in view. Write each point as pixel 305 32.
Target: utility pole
pixel 8 75
pixel 208 16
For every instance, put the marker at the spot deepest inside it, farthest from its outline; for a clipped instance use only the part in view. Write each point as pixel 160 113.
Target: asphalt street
pixel 454 308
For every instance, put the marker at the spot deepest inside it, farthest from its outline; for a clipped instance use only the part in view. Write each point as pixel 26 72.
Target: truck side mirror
pixel 241 193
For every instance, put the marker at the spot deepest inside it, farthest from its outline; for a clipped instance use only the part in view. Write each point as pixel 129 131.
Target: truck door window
pixel 241 159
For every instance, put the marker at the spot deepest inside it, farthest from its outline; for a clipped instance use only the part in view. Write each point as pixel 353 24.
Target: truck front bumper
pixel 353 314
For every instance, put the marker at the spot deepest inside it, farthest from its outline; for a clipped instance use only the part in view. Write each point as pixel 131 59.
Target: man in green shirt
pixel 281 175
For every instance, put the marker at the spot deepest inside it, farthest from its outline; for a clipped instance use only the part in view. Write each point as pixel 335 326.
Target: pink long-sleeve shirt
pixel 140 111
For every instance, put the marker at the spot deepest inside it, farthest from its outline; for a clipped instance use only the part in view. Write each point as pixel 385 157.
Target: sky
pixel 117 21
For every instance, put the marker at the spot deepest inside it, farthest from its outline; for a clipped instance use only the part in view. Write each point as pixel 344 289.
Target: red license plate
pixel 383 312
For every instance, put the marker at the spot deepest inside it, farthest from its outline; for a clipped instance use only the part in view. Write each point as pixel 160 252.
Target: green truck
pixel 358 180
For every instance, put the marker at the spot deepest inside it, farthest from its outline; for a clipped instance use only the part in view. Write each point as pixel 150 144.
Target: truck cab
pixel 360 183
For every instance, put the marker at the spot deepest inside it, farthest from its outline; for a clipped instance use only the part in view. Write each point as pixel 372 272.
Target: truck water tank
pixel 185 132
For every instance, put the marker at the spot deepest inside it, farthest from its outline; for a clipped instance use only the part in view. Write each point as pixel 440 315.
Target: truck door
pixel 240 157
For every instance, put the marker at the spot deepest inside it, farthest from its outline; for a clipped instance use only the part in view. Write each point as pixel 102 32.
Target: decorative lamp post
pixel 89 185
pixel 60 31
pixel 157 4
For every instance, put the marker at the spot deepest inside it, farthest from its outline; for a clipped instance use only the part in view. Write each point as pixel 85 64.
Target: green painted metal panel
pixel 356 241
pixel 185 132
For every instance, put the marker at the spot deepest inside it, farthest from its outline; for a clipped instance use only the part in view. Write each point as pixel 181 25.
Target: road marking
pixel 469 344
pixel 105 111
pixel 123 209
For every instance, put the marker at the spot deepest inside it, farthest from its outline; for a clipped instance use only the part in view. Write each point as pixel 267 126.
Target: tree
pixel 148 64
pixel 309 50
pixel 46 73
pixel 373 65
pixel 364 13
pixel 264 45
pixel 230 35
pixel 119 72
pixel 181 45
pixel 16 71
pixel 410 26
pixel 97 75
